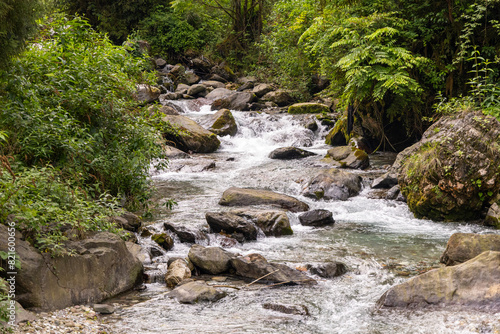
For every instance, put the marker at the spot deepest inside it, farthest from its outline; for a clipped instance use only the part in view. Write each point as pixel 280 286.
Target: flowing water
pixel 370 236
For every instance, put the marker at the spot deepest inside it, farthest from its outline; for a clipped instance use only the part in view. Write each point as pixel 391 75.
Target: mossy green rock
pixel 308 108
pixel 164 240
pixel 191 136
pixel 349 157
pixel 462 247
pixel 453 170
pixel 223 123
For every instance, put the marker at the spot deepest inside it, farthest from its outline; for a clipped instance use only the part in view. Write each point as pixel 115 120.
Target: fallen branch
pixel 258 279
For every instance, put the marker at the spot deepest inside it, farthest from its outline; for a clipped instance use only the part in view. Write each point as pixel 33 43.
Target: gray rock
pixel 271 222
pixel 262 89
pixel 191 78
pixel 104 308
pixel 160 62
pixel 289 153
pixel 235 101
pixel 23 315
pixel 245 197
pixel 280 97
pixel 185 234
pixel 395 194
pixel 493 216
pixel 219 93
pixel 462 247
pixel 212 260
pixel 197 90
pixel 182 88
pixel 48 283
pixel 386 181
pixel 192 137
pixel 349 157
pixel 195 292
pixel 256 266
pixel 174 153
pixel 472 284
pixel 316 218
pixel 213 84
pixel 138 252
pixel 328 270
pixel 240 228
pixel 333 184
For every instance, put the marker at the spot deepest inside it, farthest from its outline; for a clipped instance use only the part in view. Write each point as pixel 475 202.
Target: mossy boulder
pixel 190 136
pixel 223 123
pixel 454 171
pixel 164 240
pixel 462 247
pixel 349 157
pixel 308 108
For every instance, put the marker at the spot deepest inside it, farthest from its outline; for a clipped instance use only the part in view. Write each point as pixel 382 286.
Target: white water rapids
pixel 369 236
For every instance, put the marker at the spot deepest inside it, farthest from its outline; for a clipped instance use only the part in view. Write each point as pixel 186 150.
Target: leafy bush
pixel 69 101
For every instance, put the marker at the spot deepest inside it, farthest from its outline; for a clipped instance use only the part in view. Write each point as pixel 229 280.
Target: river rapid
pixel 379 240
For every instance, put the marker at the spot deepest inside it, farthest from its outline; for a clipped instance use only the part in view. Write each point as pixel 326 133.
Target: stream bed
pixel 379 240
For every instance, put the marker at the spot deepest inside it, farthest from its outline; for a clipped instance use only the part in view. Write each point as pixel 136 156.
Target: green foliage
pixel 169 33
pixel 47 209
pixel 69 101
pixel 17 24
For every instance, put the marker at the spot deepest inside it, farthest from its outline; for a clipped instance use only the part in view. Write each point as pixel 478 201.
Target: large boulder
pixel 308 108
pixel 453 170
pixel 472 284
pixel 212 260
pixel 289 153
pixel 255 266
pixel 222 123
pixel 349 157
pixel 89 275
pixel 333 184
pixel 195 292
pixel 191 136
pixel 271 222
pixel 462 247
pixel 240 228
pixel 234 101
pixel 245 197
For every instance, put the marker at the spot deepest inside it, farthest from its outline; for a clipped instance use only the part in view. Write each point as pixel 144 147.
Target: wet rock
pixel 462 247
pixel 386 181
pixel 240 228
pixel 177 271
pixel 308 108
pixel 104 308
pixel 311 125
pixel 262 89
pixel 335 137
pixel 212 260
pixel 289 153
pixel 191 78
pixel 453 170
pixel 395 194
pixel 333 184
pixel 280 97
pixel 164 240
pixel 197 90
pixel 174 153
pixel 48 283
pixel 191 136
pixel 234 101
pixel 222 123
pixel 256 266
pixel 146 93
pixel 219 93
pixel 287 309
pixel 245 197
pixel 493 216
pixel 316 218
pixel 473 284
pixel 327 270
pixel 185 234
pixel 271 222
pixel 195 292
pixel 349 157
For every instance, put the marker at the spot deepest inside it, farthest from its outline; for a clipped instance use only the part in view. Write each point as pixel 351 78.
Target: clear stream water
pixel 369 236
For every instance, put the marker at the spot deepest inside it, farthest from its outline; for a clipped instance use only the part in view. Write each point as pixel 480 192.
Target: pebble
pixel 75 319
